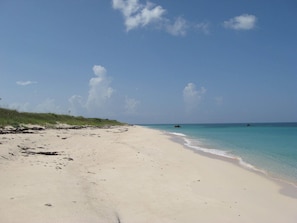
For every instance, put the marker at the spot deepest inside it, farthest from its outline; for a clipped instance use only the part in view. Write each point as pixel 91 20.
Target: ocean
pixel 270 148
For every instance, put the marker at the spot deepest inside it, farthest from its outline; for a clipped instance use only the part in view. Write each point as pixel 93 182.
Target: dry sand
pixel 128 175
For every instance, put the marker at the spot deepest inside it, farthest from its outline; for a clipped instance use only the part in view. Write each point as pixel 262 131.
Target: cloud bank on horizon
pixel 101 92
pixel 100 95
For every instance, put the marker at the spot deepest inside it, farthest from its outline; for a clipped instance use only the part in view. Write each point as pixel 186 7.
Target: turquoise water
pixel 269 148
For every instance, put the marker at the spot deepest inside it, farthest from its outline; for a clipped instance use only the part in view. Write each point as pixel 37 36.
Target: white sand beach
pixel 129 174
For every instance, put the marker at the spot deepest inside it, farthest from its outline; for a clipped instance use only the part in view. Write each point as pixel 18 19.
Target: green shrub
pixel 15 118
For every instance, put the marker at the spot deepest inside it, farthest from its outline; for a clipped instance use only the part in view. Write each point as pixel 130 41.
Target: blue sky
pixel 159 61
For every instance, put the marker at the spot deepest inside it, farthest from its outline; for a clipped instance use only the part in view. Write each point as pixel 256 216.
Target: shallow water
pixel 269 148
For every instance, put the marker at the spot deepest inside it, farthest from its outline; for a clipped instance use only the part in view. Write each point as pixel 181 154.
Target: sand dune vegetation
pixel 14 118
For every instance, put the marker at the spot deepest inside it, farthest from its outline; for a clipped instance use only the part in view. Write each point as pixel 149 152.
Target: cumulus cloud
pixel 242 22
pixel 192 96
pixel 140 15
pixel 137 14
pixel 25 83
pixel 99 88
pixel 102 99
pixel 131 105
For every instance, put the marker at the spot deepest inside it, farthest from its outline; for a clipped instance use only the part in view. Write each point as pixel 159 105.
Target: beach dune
pixel 129 174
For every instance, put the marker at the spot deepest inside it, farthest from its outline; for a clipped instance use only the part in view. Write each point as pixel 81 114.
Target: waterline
pixel 270 149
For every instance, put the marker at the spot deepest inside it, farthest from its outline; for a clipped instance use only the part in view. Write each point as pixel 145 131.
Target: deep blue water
pixel 271 148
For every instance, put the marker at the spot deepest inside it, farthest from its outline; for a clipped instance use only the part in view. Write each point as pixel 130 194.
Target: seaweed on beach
pixel 29 151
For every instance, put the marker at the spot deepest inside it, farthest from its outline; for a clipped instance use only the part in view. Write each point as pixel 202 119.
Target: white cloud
pixel 242 22
pixel 131 105
pixel 99 89
pixel 192 96
pixel 102 99
pixel 137 14
pixel 127 7
pixel 178 28
pixel 25 83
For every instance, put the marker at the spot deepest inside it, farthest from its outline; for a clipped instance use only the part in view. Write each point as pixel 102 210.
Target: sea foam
pixel 259 146
pixel 194 144
pixel 178 134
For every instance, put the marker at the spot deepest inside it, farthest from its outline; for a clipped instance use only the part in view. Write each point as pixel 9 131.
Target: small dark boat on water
pixel 177 126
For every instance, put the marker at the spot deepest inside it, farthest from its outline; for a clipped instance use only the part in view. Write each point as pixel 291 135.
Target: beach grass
pixel 14 118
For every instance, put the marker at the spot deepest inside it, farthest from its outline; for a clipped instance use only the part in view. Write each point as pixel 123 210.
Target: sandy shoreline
pixel 128 174
pixel 289 188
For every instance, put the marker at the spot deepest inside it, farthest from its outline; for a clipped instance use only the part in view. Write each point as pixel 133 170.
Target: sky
pixel 158 61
